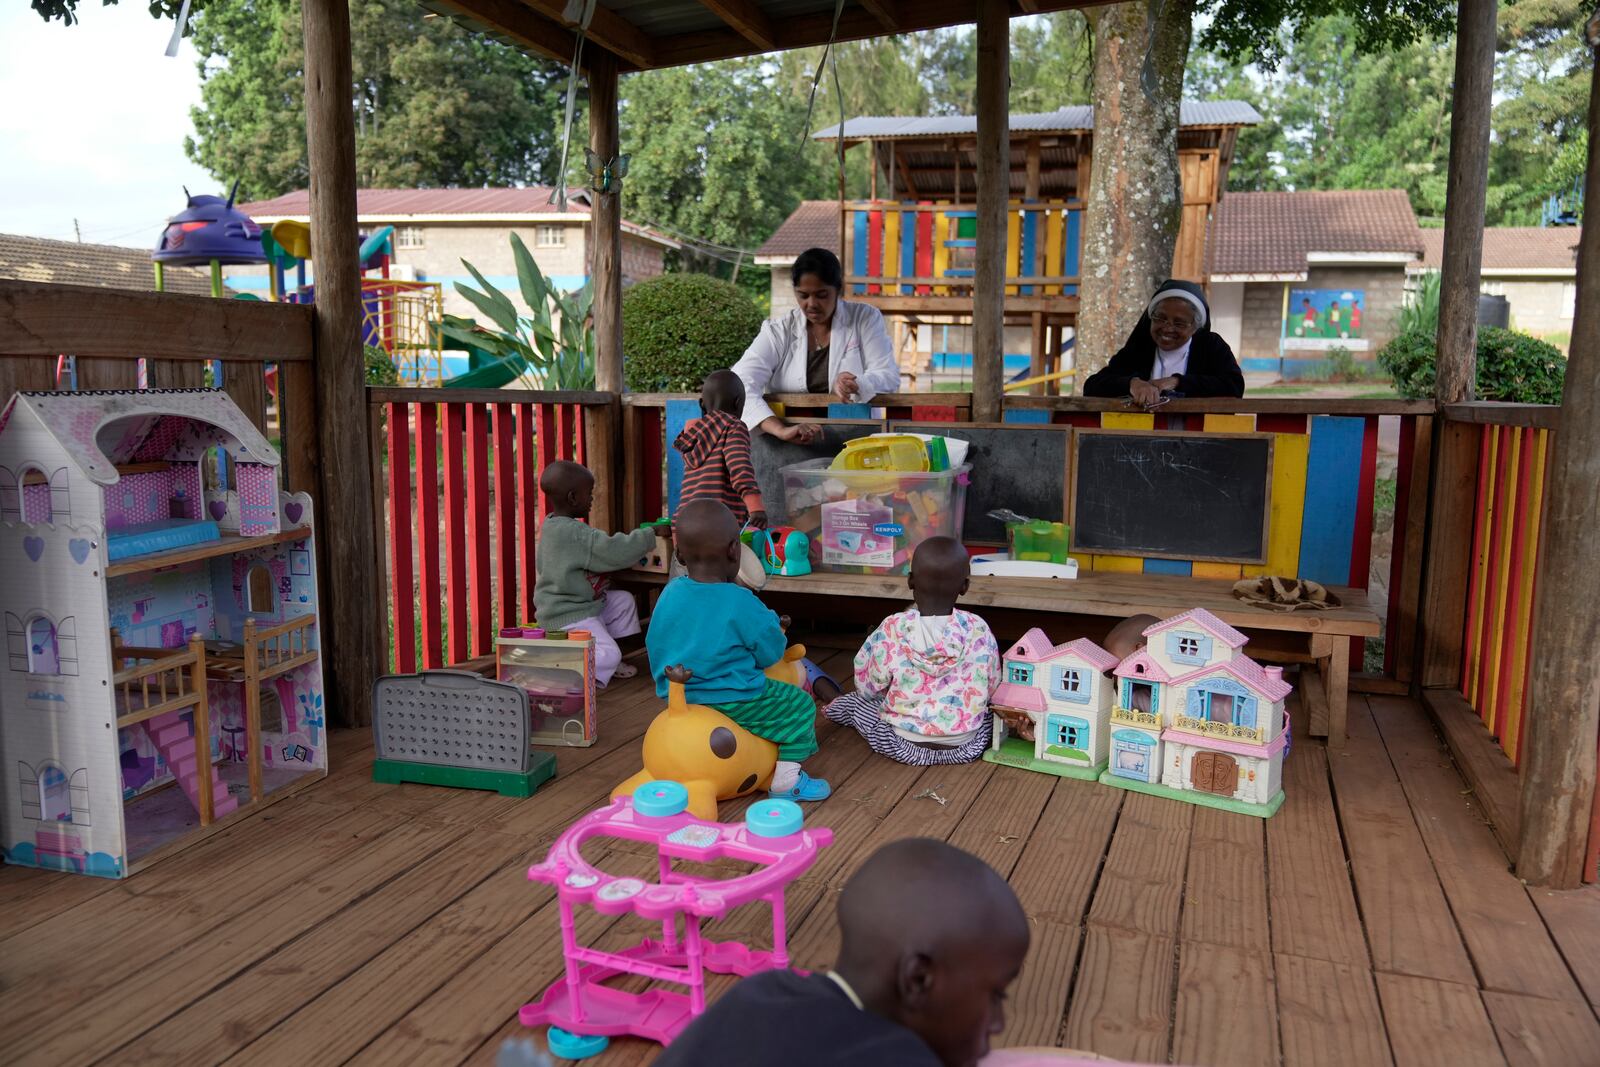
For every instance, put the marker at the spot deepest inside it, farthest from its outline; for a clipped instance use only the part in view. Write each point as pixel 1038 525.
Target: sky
pixel 94 123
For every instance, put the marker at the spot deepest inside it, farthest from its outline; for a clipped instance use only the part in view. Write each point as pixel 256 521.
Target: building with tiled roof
pixel 436 229
pixel 35 259
pixel 1294 275
pixel 1534 267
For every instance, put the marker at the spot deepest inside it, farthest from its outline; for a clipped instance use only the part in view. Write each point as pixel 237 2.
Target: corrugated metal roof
pixel 1072 118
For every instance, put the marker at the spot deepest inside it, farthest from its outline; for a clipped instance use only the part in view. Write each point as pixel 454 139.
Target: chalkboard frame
pixel 1079 433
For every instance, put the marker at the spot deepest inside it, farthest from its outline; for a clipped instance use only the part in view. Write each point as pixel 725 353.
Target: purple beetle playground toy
pixel 210 230
pixel 583 1012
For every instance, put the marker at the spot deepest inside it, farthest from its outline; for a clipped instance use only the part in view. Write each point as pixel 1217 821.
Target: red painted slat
pixel 582 439
pixel 455 533
pixel 1510 647
pixel 564 427
pixel 1480 506
pixel 1397 553
pixel 875 248
pixel 1280 424
pixel 1493 602
pixel 479 567
pixel 1088 420
pixel 652 457
pixel 924 246
pixel 1361 540
pixel 505 514
pixel 1533 601
pixel 934 413
pixel 402 595
pixel 527 509
pixel 547 447
pixel 426 457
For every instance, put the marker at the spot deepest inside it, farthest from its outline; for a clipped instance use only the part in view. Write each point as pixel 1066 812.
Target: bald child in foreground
pixel 930 940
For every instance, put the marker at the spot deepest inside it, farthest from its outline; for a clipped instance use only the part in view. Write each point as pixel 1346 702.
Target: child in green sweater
pixel 571 553
pixel 727 637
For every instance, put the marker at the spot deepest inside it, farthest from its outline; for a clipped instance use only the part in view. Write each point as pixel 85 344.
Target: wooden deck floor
pixel 1372 921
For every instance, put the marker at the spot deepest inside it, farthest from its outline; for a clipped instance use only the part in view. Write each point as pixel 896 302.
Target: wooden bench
pixel 1120 595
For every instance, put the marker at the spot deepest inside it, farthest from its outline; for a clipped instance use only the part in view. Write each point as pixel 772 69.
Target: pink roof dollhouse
pixel 158 631
pixel 1058 698
pixel 1188 716
pixel 1200 720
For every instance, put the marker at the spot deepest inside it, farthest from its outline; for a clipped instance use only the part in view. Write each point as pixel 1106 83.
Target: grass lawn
pixel 1067 753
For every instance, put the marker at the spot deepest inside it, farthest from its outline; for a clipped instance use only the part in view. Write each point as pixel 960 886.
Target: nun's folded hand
pixel 1145 394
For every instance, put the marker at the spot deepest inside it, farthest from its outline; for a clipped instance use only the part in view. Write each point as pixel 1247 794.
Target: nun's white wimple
pixel 1181 294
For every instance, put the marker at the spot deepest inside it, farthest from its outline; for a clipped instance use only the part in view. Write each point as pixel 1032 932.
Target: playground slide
pixel 496 375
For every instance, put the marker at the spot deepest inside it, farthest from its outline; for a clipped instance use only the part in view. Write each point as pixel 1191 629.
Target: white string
pixel 177 31
pixel 579 11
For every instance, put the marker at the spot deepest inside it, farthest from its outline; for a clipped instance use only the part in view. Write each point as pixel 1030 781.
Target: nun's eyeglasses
pixel 1176 324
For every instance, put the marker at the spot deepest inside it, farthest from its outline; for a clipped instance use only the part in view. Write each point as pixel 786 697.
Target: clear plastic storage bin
pixel 869 522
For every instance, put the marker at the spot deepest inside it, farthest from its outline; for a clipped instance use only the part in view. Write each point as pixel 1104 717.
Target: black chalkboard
pixel 1018 466
pixel 771 455
pixel 1174 495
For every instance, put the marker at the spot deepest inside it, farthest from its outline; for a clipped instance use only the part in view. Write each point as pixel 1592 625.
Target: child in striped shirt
pixel 716 452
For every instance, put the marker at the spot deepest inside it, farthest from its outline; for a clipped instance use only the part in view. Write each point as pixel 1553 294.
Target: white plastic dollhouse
pixel 1191 717
pixel 159 631
pixel 1053 709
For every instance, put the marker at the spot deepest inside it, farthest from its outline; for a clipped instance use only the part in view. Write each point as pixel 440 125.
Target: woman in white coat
pixel 825 345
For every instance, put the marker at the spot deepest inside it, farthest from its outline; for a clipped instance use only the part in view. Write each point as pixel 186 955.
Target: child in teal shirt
pixel 727 638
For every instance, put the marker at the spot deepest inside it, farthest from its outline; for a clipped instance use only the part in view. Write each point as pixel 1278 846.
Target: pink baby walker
pixel 581 1011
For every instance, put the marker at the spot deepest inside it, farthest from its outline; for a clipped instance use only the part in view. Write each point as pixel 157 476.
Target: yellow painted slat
pixel 941 254
pixel 1127 420
pixel 1230 424
pixel 1119 564
pixel 1054 229
pixel 1500 609
pixel 1480 570
pixel 1013 247
pixel 891 247
pixel 1290 451
pixel 1231 571
pixel 1523 613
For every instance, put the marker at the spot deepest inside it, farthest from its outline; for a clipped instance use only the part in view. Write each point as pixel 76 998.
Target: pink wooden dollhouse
pixel 1052 711
pixel 160 631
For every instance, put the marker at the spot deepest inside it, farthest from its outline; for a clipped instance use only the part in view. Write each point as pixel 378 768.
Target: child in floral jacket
pixel 924 677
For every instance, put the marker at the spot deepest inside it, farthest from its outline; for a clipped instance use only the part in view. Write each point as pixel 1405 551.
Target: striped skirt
pixel 864 714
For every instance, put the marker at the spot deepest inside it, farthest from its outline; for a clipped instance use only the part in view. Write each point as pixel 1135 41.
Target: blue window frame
pixel 1019 673
pixel 1132 755
pixel 1068 730
pixel 1189 646
pixel 1069 683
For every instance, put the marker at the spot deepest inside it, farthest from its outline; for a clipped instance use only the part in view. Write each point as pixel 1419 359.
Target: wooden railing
pixel 1328 497
pixel 457 508
pixel 925 249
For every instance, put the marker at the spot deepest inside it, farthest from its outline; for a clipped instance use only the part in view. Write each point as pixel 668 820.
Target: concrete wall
pixel 1261 312
pixel 1540 306
pixel 1227 312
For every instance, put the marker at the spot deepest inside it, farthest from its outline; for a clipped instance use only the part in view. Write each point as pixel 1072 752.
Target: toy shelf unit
pixel 456 728
pixel 582 1011
pixel 556 670
pixel 1188 716
pixel 162 630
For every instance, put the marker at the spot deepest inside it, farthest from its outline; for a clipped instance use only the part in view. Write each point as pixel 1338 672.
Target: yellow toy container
pixel 884 452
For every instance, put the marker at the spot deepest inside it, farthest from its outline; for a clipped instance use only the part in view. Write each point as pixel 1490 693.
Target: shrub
pixel 677 328
pixel 380 368
pixel 1512 367
pixel 1421 311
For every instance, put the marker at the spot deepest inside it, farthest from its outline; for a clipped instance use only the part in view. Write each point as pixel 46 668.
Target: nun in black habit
pixel 1171 352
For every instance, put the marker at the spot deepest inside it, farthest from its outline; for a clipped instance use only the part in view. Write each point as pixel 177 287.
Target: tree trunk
pixel 1135 201
pixel 1558 771
pixel 994 172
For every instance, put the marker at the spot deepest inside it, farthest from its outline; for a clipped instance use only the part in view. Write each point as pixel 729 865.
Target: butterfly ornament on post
pixel 605 176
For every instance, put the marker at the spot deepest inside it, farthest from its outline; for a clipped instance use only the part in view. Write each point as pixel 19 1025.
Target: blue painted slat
pixel 908 249
pixel 679 414
pixel 849 411
pixel 1333 477
pixel 1025 415
pixel 1071 244
pixel 1030 227
pixel 859 259
pixel 1168 566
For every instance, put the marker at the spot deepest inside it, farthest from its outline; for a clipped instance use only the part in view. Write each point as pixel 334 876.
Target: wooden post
pixel 1558 769
pixel 994 178
pixel 345 530
pixel 202 731
pixel 1465 191
pixel 1449 554
pixel 605 237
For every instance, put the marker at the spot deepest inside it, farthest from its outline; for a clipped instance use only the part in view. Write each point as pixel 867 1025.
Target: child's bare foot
pixel 625 670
